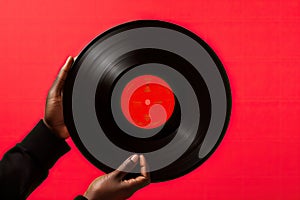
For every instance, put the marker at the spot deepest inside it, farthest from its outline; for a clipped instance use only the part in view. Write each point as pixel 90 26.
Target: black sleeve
pixel 80 198
pixel 26 165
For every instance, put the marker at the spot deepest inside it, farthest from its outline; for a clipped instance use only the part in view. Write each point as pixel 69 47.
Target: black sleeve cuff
pixel 44 145
pixel 80 198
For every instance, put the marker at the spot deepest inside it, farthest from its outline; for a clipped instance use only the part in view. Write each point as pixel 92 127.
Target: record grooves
pixel 157 50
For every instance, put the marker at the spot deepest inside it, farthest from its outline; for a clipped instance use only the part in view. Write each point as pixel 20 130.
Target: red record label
pixel 147 101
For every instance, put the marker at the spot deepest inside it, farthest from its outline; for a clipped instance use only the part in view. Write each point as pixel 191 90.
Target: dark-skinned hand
pixel 53 117
pixel 112 186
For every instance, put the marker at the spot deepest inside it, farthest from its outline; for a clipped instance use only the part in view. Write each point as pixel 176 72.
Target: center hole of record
pixel 147 101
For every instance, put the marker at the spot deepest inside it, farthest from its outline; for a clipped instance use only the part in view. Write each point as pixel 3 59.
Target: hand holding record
pixel 53 117
pixel 113 185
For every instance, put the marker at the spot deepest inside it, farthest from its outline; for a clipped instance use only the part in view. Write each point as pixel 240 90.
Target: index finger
pixel 126 166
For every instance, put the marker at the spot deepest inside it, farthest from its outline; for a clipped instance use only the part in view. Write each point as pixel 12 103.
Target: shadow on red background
pixel 257 42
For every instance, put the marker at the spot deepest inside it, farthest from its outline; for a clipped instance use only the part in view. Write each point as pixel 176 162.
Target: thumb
pixel 140 181
pixel 58 84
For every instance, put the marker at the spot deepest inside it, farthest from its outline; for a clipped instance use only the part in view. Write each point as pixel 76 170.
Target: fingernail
pixel 134 158
pixel 69 58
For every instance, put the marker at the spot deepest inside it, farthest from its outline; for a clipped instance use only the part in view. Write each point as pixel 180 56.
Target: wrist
pixel 56 133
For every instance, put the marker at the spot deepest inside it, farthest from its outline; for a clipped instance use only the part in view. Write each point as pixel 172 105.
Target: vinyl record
pixel 147 87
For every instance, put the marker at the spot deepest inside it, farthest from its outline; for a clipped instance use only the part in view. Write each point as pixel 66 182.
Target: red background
pixel 258 43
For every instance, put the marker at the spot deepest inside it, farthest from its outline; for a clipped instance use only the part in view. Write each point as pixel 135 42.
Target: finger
pixel 61 77
pixel 144 167
pixel 126 166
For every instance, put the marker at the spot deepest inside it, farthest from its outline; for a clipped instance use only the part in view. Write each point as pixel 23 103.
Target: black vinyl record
pixel 147 87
